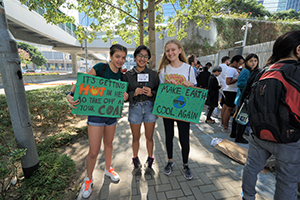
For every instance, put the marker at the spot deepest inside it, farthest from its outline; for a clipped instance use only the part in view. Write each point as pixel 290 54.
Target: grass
pixel 48 108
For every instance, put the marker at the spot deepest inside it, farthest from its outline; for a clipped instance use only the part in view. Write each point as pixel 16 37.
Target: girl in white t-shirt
pixel 174 69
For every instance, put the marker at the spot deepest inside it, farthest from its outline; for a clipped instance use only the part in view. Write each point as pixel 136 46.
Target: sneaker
pixel 87 190
pixel 149 162
pixel 225 130
pixel 112 174
pixel 187 172
pixel 136 162
pixel 210 121
pixel 168 168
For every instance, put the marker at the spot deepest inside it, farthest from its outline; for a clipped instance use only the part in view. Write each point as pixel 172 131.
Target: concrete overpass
pixel 30 26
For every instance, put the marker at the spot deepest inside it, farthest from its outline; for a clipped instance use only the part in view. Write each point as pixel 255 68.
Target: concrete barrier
pixel 43 78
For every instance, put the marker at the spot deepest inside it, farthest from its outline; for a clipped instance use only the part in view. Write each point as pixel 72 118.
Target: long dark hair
pixel 285 46
pixel 252 55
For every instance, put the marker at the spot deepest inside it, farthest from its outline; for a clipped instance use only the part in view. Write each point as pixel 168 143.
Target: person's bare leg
pixel 226 116
pixel 222 113
pixel 95 136
pixel 149 129
pixel 136 134
pixel 108 137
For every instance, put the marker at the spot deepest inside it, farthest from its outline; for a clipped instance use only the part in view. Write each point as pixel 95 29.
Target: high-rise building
pixel 293 4
pixel 280 5
pixel 275 5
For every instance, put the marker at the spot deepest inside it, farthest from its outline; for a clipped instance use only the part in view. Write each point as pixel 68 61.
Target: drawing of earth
pixel 179 102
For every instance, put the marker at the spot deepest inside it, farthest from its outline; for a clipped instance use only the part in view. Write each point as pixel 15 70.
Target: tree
pixel 24 56
pixel 36 56
pixel 244 6
pixel 121 18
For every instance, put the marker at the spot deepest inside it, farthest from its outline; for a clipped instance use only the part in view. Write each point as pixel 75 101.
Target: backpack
pixel 274 103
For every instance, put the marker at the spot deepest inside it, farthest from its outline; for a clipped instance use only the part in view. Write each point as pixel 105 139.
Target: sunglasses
pixel 179 102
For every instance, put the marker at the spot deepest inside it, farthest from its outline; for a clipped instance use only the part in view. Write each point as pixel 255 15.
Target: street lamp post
pixel 245 28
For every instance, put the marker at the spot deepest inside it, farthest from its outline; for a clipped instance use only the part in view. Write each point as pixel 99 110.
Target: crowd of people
pixel 228 85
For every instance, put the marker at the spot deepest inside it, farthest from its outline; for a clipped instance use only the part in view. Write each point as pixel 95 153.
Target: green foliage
pixel 10 156
pixel 122 16
pixel 243 6
pixel 56 170
pixel 39 74
pixel 286 15
pixel 229 31
pixel 24 56
pixel 53 177
pixel 260 32
pixel 48 105
pixel 35 55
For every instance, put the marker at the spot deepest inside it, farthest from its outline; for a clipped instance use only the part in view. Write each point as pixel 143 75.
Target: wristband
pixel 70 93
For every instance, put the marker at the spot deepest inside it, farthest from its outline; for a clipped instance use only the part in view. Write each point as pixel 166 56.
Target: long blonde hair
pixel 164 61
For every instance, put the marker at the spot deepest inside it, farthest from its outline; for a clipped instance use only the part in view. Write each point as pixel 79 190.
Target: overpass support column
pixel 74 63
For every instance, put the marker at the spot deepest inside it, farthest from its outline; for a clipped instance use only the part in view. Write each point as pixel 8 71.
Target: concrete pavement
pixel 216 176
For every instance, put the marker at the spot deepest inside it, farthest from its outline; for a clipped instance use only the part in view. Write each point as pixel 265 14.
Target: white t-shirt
pixel 183 73
pixel 231 73
pixel 222 76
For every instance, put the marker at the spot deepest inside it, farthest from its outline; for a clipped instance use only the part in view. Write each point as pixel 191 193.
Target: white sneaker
pixel 112 174
pixel 87 190
pixel 225 130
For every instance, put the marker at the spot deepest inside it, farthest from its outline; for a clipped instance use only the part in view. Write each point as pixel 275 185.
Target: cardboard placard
pixel 235 151
pixel 179 102
pixel 99 96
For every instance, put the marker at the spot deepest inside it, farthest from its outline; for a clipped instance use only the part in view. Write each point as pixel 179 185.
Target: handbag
pixel 242 116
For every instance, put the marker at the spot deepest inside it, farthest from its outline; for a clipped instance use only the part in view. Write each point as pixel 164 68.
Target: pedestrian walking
pixel 102 127
pixel 174 69
pixel 142 88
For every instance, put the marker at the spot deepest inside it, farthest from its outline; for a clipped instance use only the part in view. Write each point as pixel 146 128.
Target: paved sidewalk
pixel 216 176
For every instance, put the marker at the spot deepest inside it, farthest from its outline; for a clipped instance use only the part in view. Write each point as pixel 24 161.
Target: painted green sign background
pixel 99 96
pixel 179 102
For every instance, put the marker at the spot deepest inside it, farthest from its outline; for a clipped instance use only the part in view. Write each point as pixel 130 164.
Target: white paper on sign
pixel 143 78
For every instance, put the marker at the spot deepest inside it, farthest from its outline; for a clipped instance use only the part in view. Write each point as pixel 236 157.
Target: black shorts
pixel 229 98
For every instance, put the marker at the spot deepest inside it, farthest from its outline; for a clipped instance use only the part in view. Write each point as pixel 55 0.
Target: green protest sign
pixel 99 96
pixel 179 102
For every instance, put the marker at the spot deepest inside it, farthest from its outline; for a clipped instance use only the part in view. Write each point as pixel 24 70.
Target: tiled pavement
pixel 216 176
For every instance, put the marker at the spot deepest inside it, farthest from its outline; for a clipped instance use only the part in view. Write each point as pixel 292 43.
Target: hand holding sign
pixel 179 102
pixel 98 96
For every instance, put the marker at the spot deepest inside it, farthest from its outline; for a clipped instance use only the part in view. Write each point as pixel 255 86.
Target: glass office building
pixel 293 4
pixel 275 5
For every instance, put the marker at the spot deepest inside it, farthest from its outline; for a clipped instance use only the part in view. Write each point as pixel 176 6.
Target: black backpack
pixel 274 103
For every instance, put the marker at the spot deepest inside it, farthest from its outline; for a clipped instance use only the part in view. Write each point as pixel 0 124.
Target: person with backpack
pixel 174 69
pixel 102 127
pixel 202 78
pixel 274 114
pixel 142 88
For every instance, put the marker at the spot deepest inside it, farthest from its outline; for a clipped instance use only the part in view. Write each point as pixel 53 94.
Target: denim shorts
pixel 101 121
pixel 140 112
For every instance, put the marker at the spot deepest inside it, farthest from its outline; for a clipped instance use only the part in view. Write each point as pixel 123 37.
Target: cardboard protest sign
pixel 179 102
pixel 99 96
pixel 234 151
